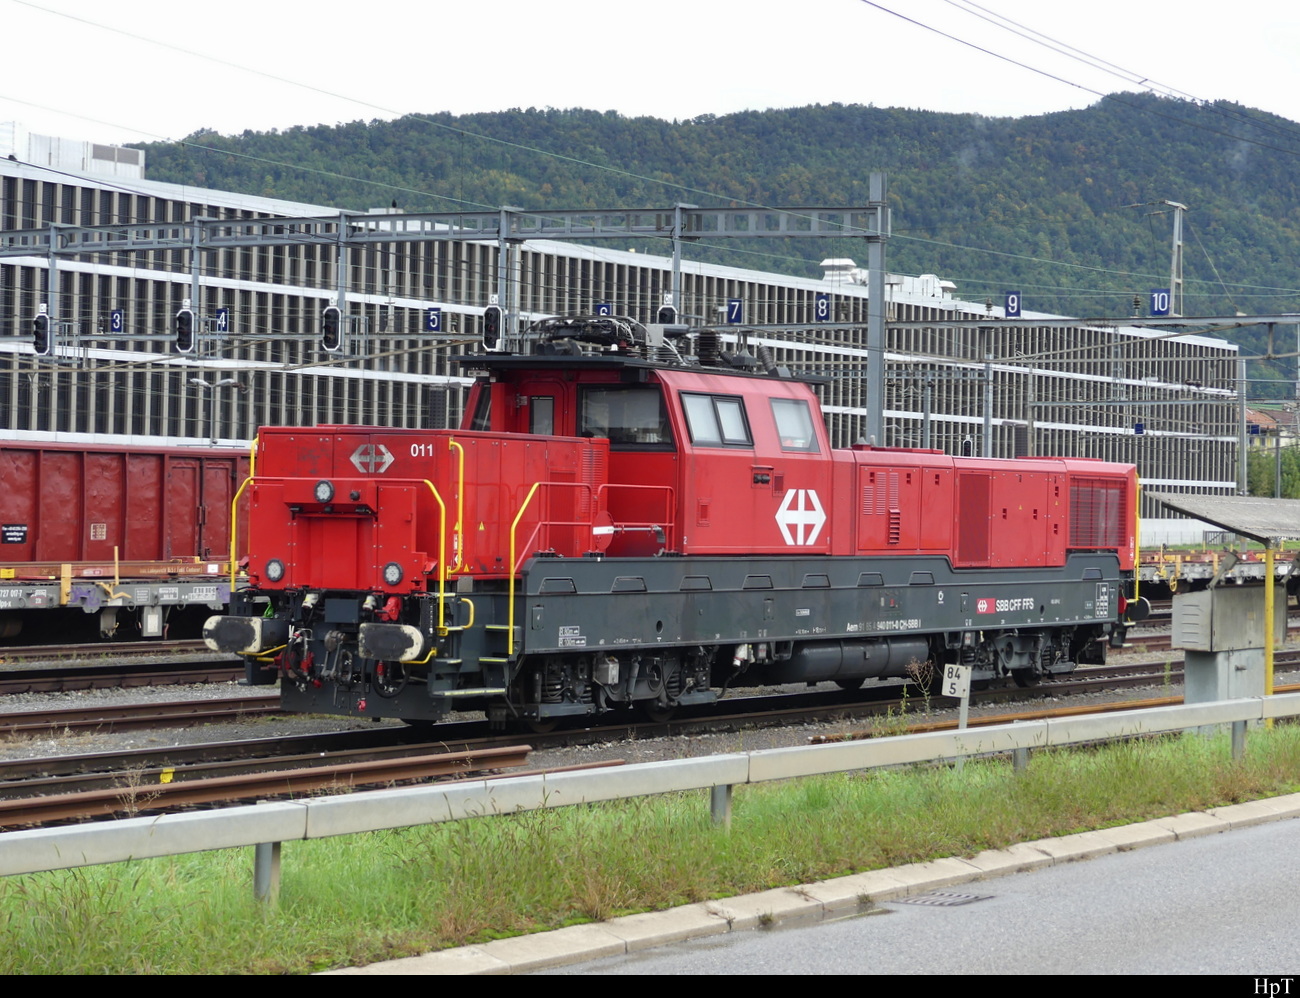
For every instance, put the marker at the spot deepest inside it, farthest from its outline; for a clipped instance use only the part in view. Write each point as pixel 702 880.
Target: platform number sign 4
pixel 735 311
pixel 1159 301
pixel 823 307
pixel 223 320
pixel 1013 305
pixel 433 320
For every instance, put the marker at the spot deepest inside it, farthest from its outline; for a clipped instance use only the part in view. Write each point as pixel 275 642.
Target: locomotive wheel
pixel 850 684
pixel 656 712
pixel 540 725
pixel 1025 677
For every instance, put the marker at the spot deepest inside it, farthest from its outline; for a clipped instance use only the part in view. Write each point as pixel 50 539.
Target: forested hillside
pixel 1038 204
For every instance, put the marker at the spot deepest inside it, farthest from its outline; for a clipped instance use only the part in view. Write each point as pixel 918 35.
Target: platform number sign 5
pixel 1159 301
pixel 1013 305
pixel 823 307
pixel 735 311
pixel 433 320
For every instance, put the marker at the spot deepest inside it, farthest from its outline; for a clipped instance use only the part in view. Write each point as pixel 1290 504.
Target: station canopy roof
pixel 1268 521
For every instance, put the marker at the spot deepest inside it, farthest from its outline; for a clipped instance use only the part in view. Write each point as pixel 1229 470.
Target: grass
pixel 387 894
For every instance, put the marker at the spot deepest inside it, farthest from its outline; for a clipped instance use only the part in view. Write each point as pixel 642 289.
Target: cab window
pixel 633 417
pixel 716 420
pixel 794 425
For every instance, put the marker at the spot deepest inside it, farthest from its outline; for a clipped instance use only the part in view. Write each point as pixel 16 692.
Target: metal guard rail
pixel 36 850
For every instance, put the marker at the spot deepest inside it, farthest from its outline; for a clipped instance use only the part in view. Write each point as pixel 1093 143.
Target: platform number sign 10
pixel 1159 301
pixel 822 307
pixel 1013 305
pixel 433 320
pixel 735 311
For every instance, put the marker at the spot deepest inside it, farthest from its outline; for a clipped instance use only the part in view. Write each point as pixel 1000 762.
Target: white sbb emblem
pixel 800 517
pixel 372 459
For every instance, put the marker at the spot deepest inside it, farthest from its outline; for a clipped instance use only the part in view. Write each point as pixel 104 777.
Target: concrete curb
pixel 818 901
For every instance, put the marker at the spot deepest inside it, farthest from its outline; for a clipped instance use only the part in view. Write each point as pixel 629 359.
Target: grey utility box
pixel 1222 633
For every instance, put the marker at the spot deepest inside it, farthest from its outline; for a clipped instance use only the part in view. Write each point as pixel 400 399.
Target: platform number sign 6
pixel 433 320
pixel 1013 304
pixel 735 311
pixel 1159 301
pixel 604 308
pixel 823 307
pixel 116 320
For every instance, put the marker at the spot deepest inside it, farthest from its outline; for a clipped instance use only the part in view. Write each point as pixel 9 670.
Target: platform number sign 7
pixel 823 307
pixel 433 320
pixel 735 311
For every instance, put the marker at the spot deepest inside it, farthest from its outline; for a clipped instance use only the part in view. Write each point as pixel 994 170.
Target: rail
pixel 667 522
pixel 267 825
pixel 543 522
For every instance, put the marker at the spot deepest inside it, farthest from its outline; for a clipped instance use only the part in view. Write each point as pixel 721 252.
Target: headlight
pixel 324 491
pixel 275 570
pixel 392 573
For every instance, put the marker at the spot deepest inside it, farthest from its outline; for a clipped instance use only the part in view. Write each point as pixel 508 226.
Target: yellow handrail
pixel 442 557
pixel 459 529
pixel 514 526
pixel 234 511
pixel 234 528
pixel 1137 536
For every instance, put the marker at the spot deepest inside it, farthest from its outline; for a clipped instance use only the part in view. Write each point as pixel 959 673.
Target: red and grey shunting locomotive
pixel 608 531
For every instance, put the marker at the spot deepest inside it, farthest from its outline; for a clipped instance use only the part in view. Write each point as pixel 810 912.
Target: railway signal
pixel 185 329
pixel 331 329
pixel 666 316
pixel 43 333
pixel 492 322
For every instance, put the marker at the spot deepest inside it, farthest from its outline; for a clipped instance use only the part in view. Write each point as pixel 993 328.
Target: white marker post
pixel 956 684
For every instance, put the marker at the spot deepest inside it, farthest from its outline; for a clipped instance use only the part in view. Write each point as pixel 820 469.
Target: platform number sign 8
pixel 735 311
pixel 823 307
pixel 1013 305
pixel 1159 301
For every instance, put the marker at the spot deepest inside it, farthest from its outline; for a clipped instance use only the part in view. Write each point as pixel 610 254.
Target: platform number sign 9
pixel 1159 301
pixel 1013 305
pixel 735 311
pixel 822 307
pixel 433 320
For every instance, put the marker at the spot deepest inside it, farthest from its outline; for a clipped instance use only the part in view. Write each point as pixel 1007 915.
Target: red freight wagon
pixel 101 511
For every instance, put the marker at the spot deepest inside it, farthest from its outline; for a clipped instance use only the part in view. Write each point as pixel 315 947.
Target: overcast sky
pixel 133 70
